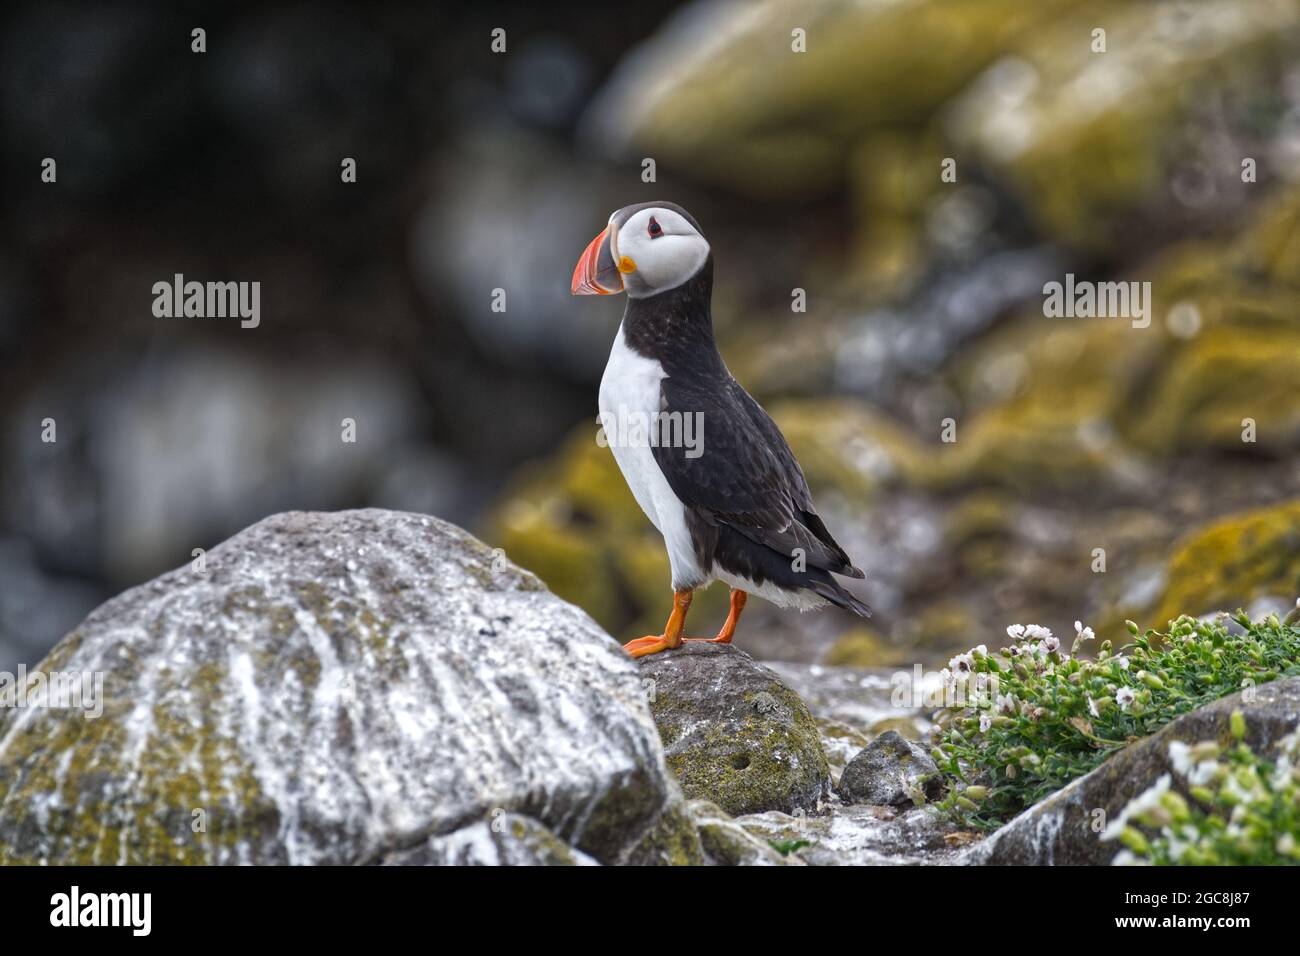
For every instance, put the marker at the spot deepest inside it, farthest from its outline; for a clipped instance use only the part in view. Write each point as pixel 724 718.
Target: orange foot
pixel 672 635
pixel 729 627
pixel 652 644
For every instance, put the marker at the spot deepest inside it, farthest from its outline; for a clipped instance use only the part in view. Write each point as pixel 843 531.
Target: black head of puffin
pixel 645 249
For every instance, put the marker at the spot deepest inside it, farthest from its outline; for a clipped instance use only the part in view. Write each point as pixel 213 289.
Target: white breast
pixel 630 387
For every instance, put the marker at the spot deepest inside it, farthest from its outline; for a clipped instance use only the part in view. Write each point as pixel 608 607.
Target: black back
pixel 747 503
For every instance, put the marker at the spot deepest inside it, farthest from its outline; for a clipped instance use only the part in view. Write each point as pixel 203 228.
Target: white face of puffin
pixel 662 249
pixel 653 250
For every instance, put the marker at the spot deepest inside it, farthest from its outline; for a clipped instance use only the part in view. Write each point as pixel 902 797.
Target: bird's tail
pixel 831 591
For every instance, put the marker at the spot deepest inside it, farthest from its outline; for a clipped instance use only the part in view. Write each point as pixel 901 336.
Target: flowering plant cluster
pixel 1244 809
pixel 1034 716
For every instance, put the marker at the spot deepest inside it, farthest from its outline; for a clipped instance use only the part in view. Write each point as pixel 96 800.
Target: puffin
pixel 732 504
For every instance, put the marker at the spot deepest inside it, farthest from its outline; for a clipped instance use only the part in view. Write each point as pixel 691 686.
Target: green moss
pixel 767 121
pixel 1087 162
pixel 1210 386
pixel 1233 561
pixel 172 772
pixel 673 840
pixel 941 625
pixel 725 841
pixel 749 762
pixel 862 647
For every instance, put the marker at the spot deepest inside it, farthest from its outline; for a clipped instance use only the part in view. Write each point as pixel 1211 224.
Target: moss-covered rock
pixel 727 843
pixel 1089 403
pixel 1097 141
pixel 721 92
pixel 332 688
pixel 671 840
pixel 1233 561
pixel 1232 388
pixel 733 732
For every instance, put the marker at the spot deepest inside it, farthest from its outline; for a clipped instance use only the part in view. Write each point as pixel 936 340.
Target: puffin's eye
pixel 656 230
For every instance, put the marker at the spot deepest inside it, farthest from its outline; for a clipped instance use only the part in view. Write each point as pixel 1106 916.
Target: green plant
pixel 786 847
pixel 1244 809
pixel 1028 720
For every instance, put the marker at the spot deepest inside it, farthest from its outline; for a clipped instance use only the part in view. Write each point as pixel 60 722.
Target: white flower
pixel 1092 708
pixel 1125 697
pixel 1180 755
pixel 1177 847
pixel 1083 633
pixel 1239 792
pixel 945 675
pixel 981 651
pixel 1121 660
pixel 1289 746
pixel 1147 800
pixel 1204 772
pixel 1006 704
pixel 1036 632
pixel 1051 644
pixel 961 664
pixel 986 721
pixel 1286 844
pixel 1016 632
pixel 1128 858
pixel 1282 774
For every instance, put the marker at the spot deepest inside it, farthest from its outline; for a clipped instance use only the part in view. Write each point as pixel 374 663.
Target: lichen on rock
pixel 733 732
pixel 333 688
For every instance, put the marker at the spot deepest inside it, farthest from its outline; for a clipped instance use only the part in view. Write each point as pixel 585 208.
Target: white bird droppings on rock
pixel 317 722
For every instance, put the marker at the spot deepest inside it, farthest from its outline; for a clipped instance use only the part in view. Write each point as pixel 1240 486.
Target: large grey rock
pixel 890 771
pixel 337 688
pixel 1064 829
pixel 733 732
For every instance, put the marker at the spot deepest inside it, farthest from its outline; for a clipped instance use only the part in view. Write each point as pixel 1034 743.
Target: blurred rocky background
pixel 1173 157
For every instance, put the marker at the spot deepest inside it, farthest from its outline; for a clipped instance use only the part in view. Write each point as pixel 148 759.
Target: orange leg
pixel 729 626
pixel 672 635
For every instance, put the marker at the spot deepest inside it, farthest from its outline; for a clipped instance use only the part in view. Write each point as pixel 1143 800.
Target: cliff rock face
pixel 342 688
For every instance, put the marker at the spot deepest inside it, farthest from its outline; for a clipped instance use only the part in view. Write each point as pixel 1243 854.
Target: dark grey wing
pixel 745 476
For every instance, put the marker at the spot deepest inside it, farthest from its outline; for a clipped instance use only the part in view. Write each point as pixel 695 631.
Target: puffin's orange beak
pixel 596 273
